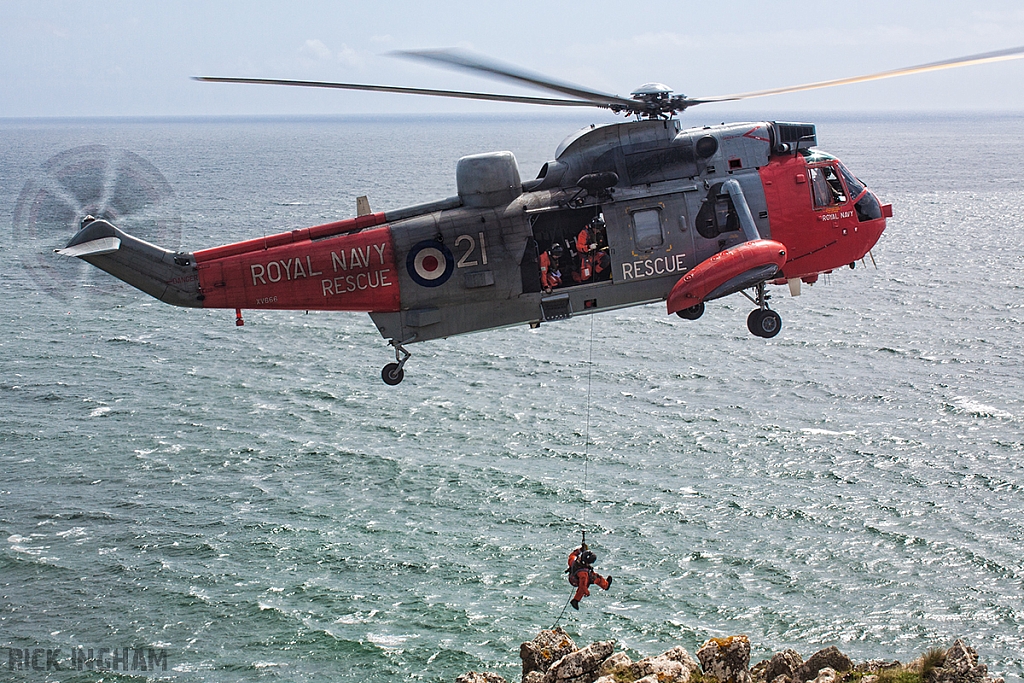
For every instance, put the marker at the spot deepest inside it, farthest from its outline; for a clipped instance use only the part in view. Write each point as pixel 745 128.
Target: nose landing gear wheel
pixel 764 323
pixel 692 313
pixel 392 374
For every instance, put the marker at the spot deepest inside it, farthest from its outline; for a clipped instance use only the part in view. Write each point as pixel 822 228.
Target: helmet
pixel 555 250
pixel 588 557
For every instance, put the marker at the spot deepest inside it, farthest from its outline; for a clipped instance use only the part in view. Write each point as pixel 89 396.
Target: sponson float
pixel 643 211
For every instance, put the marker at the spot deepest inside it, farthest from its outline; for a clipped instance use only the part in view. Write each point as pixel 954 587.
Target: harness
pixel 578 565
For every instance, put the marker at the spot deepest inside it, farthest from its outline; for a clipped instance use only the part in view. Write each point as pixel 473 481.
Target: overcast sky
pixel 116 58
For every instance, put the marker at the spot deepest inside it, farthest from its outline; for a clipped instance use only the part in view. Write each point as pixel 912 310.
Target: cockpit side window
pixel 826 187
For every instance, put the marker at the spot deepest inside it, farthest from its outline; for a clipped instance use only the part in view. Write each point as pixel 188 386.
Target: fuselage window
pixel 647 229
pixel 826 186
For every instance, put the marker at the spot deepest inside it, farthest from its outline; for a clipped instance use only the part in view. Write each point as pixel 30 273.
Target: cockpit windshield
pixel 855 186
pixel 816 156
pixel 824 172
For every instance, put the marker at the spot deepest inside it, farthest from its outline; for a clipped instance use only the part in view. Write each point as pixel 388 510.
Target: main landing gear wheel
pixel 764 322
pixel 392 374
pixel 692 313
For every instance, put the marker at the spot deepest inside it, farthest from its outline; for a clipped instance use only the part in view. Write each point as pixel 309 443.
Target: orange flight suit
pixel 583 242
pixel 582 575
pixel 549 279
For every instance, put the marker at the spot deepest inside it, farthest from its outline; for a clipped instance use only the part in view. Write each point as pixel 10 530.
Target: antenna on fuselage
pixel 363 206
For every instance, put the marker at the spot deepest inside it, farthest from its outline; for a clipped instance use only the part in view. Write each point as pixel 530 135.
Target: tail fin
pixel 168 276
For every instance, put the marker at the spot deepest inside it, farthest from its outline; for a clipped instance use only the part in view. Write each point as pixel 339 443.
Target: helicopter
pixel 627 213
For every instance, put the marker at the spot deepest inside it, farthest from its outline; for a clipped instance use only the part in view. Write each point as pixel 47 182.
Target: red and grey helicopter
pixel 626 213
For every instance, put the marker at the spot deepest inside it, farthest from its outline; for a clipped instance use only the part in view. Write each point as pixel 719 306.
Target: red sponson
pixel 691 289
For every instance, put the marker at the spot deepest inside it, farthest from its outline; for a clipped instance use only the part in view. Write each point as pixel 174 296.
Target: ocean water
pixel 258 505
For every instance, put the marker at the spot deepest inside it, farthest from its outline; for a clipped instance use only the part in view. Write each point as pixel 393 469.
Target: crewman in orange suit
pixel 586 245
pixel 581 574
pixel 550 275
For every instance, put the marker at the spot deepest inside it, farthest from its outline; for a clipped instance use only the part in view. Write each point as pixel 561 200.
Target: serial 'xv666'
pixel 626 213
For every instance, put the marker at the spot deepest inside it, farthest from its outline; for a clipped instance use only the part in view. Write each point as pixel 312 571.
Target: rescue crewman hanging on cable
pixel 581 574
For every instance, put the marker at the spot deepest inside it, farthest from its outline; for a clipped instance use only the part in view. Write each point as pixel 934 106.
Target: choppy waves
pixel 259 503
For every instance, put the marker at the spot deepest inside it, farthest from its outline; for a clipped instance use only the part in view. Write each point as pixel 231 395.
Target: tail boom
pixel 165 275
pixel 347 265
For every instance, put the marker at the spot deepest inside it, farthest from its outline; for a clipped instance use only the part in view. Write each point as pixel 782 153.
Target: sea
pixel 185 499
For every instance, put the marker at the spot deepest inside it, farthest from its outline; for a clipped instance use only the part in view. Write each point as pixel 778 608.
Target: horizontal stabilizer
pixel 97 247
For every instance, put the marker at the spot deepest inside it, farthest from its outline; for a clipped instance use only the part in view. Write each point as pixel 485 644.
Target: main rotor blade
pixel 410 91
pixel 471 63
pixel 983 58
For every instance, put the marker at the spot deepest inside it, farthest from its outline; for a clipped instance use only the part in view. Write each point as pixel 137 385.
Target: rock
pixel 618 663
pixel 757 671
pixel 826 675
pixel 875 665
pixel 726 659
pixel 783 663
pixel 830 657
pixel 552 657
pixel 581 666
pixel 674 666
pixel 547 648
pixel 960 666
pixel 485 677
pixel 679 654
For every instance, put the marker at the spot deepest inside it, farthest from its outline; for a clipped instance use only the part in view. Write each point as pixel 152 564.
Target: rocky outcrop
pixel 961 666
pixel 552 657
pixel 674 666
pixel 485 677
pixel 875 666
pixel 580 666
pixel 783 664
pixel 829 658
pixel 548 647
pixel 725 660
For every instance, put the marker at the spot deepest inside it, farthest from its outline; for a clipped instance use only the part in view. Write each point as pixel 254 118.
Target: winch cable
pixel 586 437
pixel 586 458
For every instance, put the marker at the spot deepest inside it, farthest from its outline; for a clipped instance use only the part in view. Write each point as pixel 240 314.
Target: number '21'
pixel 464 262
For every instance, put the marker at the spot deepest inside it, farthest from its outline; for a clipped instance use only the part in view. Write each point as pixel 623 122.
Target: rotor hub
pixel 651 90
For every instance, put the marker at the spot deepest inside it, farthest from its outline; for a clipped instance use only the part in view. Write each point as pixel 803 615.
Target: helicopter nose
pixel 878 227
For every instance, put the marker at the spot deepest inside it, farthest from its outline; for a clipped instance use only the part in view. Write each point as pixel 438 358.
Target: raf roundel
pixel 430 263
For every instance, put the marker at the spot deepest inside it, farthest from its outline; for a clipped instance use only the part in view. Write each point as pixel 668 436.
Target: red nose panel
pixel 818 238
